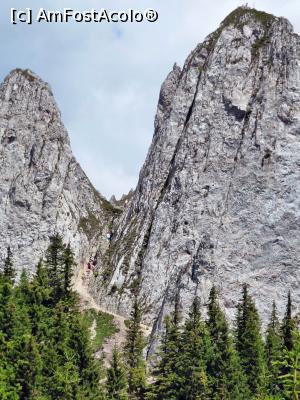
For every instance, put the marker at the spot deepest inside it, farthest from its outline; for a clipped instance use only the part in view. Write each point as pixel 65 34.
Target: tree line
pixel 46 353
pixel 204 359
pixel 45 350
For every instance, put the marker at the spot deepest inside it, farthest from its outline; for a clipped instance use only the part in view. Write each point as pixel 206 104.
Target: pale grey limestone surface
pixel 43 190
pixel 218 198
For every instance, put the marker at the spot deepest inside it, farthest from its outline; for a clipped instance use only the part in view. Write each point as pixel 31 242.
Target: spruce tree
pixel 40 301
pixel 44 344
pixel 55 266
pixel 88 368
pixel 68 269
pixel 226 377
pixel 8 389
pixel 235 387
pixel 7 309
pixel 134 347
pixel 9 272
pixel 116 384
pixel 288 325
pixel 28 367
pixel 41 278
pixel 166 377
pixel 249 342
pixel 166 372
pixel 273 349
pixel 194 353
pixel 290 364
pixel 23 289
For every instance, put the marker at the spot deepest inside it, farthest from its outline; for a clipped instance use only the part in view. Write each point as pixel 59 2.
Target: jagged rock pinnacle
pixel 43 190
pixel 218 196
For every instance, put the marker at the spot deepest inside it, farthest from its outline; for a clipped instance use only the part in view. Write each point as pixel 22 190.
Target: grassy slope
pixel 104 326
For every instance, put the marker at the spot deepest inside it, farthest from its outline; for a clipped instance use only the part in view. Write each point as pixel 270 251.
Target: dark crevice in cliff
pixel 157 324
pixel 266 157
pixel 178 145
pixel 233 110
pixel 245 126
pixel 31 156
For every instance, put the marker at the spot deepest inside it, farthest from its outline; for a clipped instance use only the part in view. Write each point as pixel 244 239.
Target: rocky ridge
pixel 217 200
pixel 218 197
pixel 43 189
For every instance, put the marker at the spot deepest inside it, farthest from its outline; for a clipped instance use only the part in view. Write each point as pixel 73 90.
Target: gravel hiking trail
pixel 88 302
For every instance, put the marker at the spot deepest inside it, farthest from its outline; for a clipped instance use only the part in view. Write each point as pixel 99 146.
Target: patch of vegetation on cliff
pixel 26 73
pixel 90 225
pixel 259 43
pixel 264 19
pixel 110 209
pixel 104 327
pixel 236 18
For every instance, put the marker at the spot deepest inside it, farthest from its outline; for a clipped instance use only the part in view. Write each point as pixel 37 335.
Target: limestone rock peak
pixel 218 196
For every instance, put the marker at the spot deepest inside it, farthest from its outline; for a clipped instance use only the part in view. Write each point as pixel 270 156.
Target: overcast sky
pixel 106 77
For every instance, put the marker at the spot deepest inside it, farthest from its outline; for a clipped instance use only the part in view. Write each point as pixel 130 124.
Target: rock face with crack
pixel 43 189
pixel 218 198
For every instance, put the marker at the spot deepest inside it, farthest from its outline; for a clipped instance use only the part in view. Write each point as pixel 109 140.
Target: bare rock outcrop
pixel 218 198
pixel 43 189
